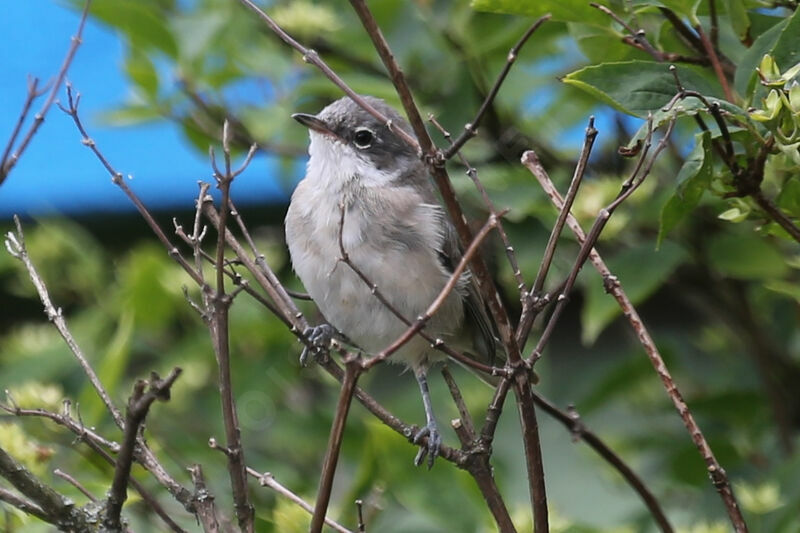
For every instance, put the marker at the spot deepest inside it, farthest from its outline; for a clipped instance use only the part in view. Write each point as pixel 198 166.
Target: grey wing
pixel 477 322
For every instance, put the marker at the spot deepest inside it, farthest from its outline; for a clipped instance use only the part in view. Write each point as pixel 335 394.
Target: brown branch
pixel 351 374
pixel 478 455
pixel 99 444
pixel 478 267
pixel 717 474
pixel 75 483
pixel 471 128
pixel 637 177
pixel 8 162
pixel 417 326
pixel 715 63
pixel 526 320
pixel 776 214
pixel 206 509
pixel 138 406
pixel 267 479
pixel 219 303
pixel 55 508
pixel 117 179
pixel 24 505
pixel 487 201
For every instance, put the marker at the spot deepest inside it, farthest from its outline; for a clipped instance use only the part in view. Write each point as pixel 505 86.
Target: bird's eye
pixel 363 138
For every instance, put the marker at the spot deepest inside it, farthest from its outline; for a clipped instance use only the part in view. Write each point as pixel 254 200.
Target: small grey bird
pixel 395 231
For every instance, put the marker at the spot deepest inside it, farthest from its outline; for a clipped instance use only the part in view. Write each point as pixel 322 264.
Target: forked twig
pixel 9 160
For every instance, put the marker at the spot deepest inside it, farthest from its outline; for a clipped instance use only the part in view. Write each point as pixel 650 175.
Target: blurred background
pixel 158 77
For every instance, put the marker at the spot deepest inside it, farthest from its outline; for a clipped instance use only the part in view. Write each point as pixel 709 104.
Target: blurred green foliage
pixel 716 280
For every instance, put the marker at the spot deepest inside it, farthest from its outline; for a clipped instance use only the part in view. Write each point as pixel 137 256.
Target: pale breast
pixel 395 241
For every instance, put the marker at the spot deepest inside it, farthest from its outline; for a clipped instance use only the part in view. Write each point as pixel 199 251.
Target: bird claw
pixel 319 338
pixel 431 447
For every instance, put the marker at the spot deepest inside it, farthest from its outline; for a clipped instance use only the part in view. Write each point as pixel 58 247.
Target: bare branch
pixel 8 162
pixel 351 374
pixel 420 322
pixel 138 406
pixel 24 505
pixel 471 128
pixel 571 420
pixel 437 344
pixel 43 501
pixel 75 483
pixel 268 480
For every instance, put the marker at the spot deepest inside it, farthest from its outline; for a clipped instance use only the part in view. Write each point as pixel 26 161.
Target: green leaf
pixel 745 256
pixel 740 22
pixel 641 272
pixel 563 10
pixel 637 87
pixel 139 21
pixel 789 197
pixel 130 115
pixel 601 44
pixel 142 72
pixel 693 180
pixel 780 42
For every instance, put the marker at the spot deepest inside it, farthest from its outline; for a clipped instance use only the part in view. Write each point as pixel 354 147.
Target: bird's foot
pixel 431 447
pixel 319 338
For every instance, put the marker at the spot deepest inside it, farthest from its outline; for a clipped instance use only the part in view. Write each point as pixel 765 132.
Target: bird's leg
pixel 319 338
pixel 431 429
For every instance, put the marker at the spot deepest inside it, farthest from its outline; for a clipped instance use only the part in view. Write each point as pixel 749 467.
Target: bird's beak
pixel 312 122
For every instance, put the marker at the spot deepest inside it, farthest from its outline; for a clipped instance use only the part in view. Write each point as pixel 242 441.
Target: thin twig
pixel 117 179
pixel 15 244
pixel 351 374
pixel 267 479
pixel 471 128
pixel 206 509
pixel 419 324
pixel 75 483
pixel 466 418
pixel 578 430
pixel 715 63
pixel 440 299
pixel 640 173
pixel 487 201
pixel 526 321
pixel 8 162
